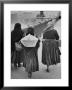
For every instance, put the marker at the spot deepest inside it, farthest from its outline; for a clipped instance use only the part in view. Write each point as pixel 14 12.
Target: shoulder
pixel 21 31
pixel 12 32
pixel 46 32
pixel 54 30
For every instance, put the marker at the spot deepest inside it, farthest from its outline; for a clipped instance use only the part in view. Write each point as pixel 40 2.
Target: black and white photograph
pixel 36 44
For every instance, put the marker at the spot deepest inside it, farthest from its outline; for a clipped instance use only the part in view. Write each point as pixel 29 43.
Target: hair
pixel 30 31
pixel 17 26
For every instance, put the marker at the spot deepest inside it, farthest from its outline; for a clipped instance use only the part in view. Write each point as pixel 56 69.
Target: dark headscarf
pixel 17 26
pixel 30 31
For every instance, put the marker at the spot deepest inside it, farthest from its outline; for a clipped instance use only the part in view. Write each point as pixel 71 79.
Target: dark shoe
pixel 47 70
pixel 19 65
pixel 55 63
pixel 15 64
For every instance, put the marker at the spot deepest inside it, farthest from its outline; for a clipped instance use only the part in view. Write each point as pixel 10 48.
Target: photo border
pixel 2 26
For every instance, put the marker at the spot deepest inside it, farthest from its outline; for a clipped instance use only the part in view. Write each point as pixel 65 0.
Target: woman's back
pixel 51 34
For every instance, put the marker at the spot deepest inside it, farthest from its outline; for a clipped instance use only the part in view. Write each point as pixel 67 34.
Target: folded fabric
pixel 18 46
pixel 29 41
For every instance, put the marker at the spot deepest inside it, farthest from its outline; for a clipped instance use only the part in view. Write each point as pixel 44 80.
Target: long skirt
pixel 16 54
pixel 50 53
pixel 30 59
pixel 13 56
pixel 16 58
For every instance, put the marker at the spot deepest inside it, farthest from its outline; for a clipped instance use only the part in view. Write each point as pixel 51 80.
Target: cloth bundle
pixel 18 46
pixel 29 41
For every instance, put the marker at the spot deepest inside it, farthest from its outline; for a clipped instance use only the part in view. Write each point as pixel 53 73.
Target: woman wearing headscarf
pixel 30 45
pixel 50 51
pixel 16 36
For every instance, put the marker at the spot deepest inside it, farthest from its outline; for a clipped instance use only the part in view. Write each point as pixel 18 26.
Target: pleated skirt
pixel 30 59
pixel 50 52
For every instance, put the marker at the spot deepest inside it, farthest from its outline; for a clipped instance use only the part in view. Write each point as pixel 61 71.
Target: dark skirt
pixel 50 52
pixel 30 59
pixel 13 56
pixel 16 56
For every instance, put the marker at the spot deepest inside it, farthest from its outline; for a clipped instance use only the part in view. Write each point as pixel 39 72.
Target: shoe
pixel 19 65
pixel 15 65
pixel 47 70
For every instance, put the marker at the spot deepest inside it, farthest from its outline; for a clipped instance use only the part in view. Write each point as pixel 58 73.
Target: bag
pixel 18 46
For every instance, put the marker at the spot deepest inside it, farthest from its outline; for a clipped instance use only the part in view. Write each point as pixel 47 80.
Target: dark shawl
pixel 51 34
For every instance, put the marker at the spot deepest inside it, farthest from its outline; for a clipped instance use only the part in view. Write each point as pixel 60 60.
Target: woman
pixel 16 36
pixel 50 52
pixel 29 56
